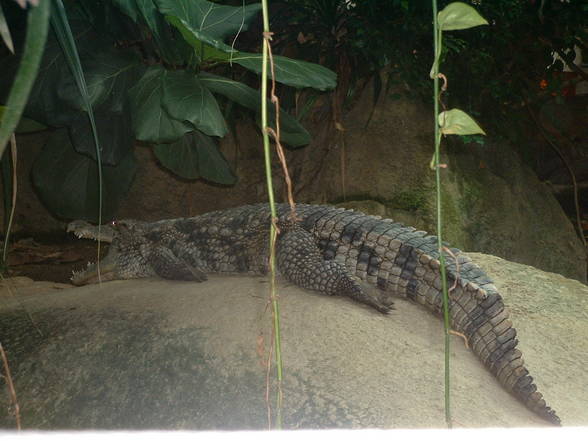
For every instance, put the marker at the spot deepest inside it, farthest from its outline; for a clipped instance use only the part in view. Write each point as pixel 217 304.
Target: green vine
pixel 273 226
pixel 454 16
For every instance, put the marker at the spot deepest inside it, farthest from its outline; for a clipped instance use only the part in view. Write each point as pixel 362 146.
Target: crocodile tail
pixel 483 319
pixel 477 311
pixel 405 262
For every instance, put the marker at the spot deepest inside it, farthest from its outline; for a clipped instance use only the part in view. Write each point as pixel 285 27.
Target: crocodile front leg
pixel 301 262
pixel 168 266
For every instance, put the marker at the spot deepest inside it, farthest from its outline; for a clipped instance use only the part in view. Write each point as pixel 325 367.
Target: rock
pixel 175 355
pixel 492 202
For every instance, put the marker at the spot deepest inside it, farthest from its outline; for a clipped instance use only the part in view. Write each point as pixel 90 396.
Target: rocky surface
pixel 160 354
pixel 492 202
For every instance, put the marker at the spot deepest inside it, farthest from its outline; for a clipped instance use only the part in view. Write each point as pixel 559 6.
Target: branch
pixel 563 188
pixel 10 385
pixel 569 168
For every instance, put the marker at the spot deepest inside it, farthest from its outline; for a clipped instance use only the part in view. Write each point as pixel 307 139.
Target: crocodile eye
pixel 121 225
pixel 118 225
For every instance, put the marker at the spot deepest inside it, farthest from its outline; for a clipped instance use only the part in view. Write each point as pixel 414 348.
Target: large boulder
pixel 176 355
pixel 492 202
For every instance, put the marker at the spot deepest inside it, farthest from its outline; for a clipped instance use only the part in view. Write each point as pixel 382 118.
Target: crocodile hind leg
pixel 301 262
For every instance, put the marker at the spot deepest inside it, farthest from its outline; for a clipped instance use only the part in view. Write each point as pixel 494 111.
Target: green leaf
pixel 37 27
pixel 459 15
pixel 104 16
pixel 25 125
pixel 196 38
pixel 196 155
pixel 171 48
pixel 67 182
pixel 64 34
pixel 186 98
pixel 207 52
pixel 151 122
pixel 5 32
pixel 207 18
pixel 129 7
pixel 44 104
pixel 234 90
pixel 457 122
pixel 294 73
pixel 204 23
pixel 200 21
pixel 114 131
pixel 109 75
pixel 291 130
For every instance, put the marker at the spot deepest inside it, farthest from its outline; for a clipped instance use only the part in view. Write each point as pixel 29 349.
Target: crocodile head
pixel 126 257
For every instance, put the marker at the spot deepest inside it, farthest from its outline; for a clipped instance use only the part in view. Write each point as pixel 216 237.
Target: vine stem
pixel 446 323
pixel 273 227
pixel 13 156
pixel 10 385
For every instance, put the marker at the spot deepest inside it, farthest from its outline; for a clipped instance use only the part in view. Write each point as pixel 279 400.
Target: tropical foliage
pixel 501 63
pixel 152 72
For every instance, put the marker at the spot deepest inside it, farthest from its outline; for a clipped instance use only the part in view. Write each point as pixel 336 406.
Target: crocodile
pixel 332 250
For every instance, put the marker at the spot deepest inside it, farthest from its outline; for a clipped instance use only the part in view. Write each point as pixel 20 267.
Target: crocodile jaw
pixel 106 268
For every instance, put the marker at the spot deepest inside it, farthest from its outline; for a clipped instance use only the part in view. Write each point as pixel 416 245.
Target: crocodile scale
pixel 328 249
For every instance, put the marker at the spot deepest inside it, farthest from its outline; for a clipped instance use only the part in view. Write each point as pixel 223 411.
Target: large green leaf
pixel 196 38
pixel 67 182
pixel 186 98
pixel 196 155
pixel 291 130
pixel 457 122
pixel 5 32
pixel 44 104
pixel 294 73
pixel 129 7
pixel 114 131
pixel 148 11
pixel 203 23
pixel 458 15
pixel 25 125
pixel 109 75
pixel 207 18
pixel 151 122
pixel 37 26
pixel 172 48
pixel 105 16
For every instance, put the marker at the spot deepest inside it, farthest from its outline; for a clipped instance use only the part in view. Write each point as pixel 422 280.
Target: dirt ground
pixel 51 257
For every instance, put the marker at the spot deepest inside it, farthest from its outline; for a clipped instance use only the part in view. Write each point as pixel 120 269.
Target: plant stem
pixel 437 47
pixel 14 190
pixel 273 227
